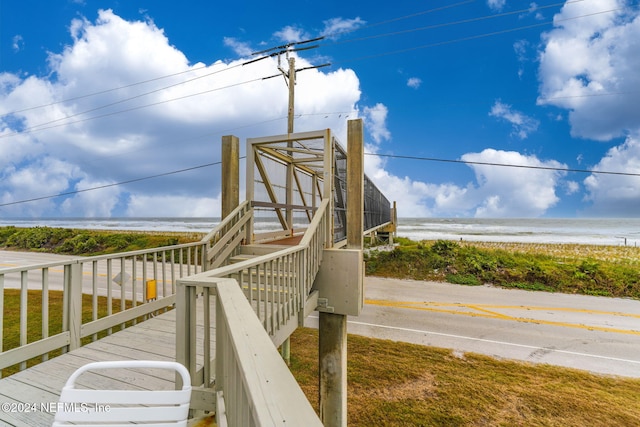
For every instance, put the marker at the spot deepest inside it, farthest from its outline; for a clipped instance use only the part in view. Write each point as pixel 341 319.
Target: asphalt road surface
pixel 596 334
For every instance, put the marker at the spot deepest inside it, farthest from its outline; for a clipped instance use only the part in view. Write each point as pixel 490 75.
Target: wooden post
pixel 230 175
pixel 333 327
pixel 74 289
pixel 285 349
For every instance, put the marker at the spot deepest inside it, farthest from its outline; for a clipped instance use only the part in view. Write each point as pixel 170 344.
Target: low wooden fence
pixel 132 285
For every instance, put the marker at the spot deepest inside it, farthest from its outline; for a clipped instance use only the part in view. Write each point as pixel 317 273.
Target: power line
pixel 475 37
pixel 229 68
pixel 509 165
pixel 100 187
pixel 102 92
pixel 39 128
pixel 43 126
pixel 448 24
pixel 430 159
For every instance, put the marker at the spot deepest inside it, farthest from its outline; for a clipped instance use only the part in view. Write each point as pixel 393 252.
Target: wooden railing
pixel 123 281
pixel 278 289
pixel 224 240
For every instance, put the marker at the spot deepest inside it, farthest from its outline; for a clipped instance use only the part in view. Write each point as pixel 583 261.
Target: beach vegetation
pixel 69 241
pixel 581 269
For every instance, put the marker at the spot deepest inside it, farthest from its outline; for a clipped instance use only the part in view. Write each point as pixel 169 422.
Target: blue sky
pixel 96 92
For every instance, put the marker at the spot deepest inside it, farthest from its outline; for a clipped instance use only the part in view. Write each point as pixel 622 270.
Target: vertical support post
pixel 74 296
pixel 250 171
pixel 185 329
pixel 355 184
pixel 230 174
pixel 332 326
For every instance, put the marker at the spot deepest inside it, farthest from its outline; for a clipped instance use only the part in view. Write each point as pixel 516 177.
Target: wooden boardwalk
pixel 29 397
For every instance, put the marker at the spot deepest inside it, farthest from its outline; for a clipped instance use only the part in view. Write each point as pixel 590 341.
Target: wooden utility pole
pixel 285 349
pixel 290 78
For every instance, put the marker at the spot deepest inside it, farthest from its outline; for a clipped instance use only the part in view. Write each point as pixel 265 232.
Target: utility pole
pixel 290 80
pixel 292 93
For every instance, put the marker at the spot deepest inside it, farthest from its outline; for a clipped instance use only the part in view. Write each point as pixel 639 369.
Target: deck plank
pixel 153 339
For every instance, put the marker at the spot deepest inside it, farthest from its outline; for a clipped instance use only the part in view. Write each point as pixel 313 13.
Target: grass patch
pixel 11 325
pixel 413 385
pixel 582 269
pixel 84 242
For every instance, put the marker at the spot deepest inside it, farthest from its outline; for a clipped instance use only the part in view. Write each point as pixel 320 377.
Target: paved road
pixel 591 333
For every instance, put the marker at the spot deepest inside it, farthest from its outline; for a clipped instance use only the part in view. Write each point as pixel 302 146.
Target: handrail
pixel 276 286
pixel 97 276
pixel 254 385
pixel 224 240
pixel 225 221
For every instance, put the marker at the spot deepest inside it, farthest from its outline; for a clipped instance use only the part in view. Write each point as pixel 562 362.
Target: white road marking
pixel 551 350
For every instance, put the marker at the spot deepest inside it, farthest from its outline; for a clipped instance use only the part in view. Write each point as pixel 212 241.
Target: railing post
pixel 74 306
pixel 185 329
pixel 230 175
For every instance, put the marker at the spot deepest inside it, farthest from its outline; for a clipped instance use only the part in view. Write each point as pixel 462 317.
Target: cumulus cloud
pixel 238 47
pixel 616 195
pixel 291 34
pixel 376 122
pixel 513 192
pixel 496 5
pixel 147 129
pixel 17 43
pixel 589 67
pixel 173 206
pixel 522 125
pixel 496 192
pixel 414 82
pixel 334 27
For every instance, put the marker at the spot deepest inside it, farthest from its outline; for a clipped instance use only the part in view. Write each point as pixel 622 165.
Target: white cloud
pixel 414 82
pixel 157 133
pixel 291 34
pixel 513 192
pixel 173 206
pixel 572 187
pixel 496 5
pixel 335 27
pixel 376 122
pixel 93 203
pixel 522 125
pixel 17 43
pixel 589 67
pixel 496 192
pixel 616 195
pixel 240 48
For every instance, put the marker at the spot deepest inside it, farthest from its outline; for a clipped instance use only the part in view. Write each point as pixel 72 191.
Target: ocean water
pixel 600 231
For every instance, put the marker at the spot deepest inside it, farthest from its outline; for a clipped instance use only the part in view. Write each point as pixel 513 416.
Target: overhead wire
pixel 510 165
pixel 39 127
pixel 448 24
pixel 43 126
pixel 102 92
pixel 204 66
pixel 393 156
pixel 115 184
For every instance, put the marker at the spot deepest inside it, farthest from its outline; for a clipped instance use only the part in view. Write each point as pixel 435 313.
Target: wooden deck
pixel 39 386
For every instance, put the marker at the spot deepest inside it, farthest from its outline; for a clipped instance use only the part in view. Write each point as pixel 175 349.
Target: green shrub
pixel 463 279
